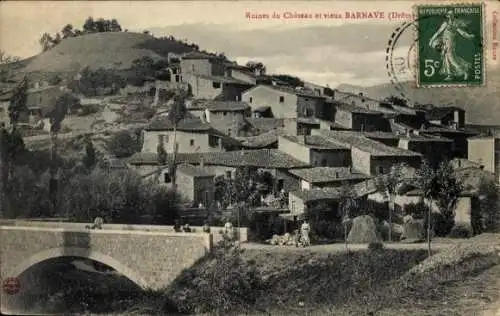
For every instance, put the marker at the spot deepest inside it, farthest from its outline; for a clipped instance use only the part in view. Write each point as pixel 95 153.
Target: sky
pixel 325 51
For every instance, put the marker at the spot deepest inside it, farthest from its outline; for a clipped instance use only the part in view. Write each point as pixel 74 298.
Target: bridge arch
pixel 82 253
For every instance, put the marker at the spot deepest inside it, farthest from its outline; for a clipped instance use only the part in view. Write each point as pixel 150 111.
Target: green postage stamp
pixel 450 45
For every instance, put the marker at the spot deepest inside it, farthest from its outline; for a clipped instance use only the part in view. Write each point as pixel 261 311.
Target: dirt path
pixel 338 247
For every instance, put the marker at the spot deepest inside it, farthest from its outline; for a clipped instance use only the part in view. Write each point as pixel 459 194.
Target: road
pixel 339 247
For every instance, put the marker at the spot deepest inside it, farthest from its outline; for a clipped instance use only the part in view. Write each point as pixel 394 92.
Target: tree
pixel 90 159
pixel 115 26
pixel 7 59
pixel 440 186
pixel 389 184
pixel 56 40
pixel 67 31
pixel 122 145
pixel 45 42
pixel 347 204
pixel 489 205
pixel 161 153
pixel 89 25
pixel 56 116
pixel 396 101
pixel 11 142
pixel 176 113
pixel 256 67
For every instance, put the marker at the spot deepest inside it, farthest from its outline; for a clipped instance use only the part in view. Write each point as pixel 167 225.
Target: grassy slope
pixel 114 50
pixel 482 105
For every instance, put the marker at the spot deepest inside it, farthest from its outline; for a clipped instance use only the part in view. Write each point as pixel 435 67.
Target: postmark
pixel 11 285
pixel 450 45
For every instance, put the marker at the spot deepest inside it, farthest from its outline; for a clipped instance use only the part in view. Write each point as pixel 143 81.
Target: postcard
pixel 250 157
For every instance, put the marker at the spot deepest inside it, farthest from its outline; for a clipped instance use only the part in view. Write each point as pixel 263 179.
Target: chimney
pixel 408 132
pixel 219 141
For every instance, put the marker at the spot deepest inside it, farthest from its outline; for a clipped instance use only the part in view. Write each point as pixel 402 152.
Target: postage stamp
pixel 450 41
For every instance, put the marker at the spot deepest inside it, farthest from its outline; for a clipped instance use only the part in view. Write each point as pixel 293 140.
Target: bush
pixel 375 246
pixel 88 109
pixel 223 282
pixel 460 231
pixel 122 145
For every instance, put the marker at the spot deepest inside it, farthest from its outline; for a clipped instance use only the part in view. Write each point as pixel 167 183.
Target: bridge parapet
pixel 152 259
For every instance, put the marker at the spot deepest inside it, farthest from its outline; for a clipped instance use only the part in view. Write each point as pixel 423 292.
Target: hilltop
pixel 480 103
pixel 115 50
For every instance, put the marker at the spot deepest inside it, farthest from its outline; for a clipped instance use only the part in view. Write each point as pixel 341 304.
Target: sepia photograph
pixel 250 158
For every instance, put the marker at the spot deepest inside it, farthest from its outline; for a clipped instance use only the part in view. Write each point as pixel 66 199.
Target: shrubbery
pixel 123 144
pixel 223 282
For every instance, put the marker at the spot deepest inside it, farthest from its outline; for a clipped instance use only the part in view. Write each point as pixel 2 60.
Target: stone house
pixel 357 118
pixel 462 210
pixel 226 116
pixel 285 102
pixel 211 87
pixel 434 148
pixel 241 73
pixel 318 89
pixel 196 184
pixel 368 156
pixel 193 135
pixel 485 150
pixel 324 202
pixel 451 116
pixel 322 177
pixel 208 78
pixel 458 136
pixel 304 125
pixel 315 150
pixel 4 108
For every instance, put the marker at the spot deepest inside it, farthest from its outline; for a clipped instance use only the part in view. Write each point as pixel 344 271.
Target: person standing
pixel 305 230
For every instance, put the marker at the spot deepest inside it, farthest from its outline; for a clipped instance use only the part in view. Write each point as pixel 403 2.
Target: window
pixel 216 85
pixel 323 162
pixel 224 113
pixel 192 68
pixel 282 99
pixel 167 178
pixel 251 99
pixel 380 169
pixel 191 142
pixel 228 174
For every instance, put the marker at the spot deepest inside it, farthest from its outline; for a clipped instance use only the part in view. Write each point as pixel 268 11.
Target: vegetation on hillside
pixel 99 25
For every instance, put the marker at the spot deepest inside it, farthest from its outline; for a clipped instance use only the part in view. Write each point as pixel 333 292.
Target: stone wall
pixel 150 259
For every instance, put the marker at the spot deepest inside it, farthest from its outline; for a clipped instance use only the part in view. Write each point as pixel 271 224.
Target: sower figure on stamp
pixel 444 40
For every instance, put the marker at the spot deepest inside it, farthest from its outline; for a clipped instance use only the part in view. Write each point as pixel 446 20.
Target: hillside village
pixel 311 144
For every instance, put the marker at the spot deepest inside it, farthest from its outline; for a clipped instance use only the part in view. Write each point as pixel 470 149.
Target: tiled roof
pixel 380 135
pixel 198 55
pixel 213 105
pixel 327 174
pixel 265 124
pixel 441 129
pixel 355 109
pixel 143 158
pixel 262 140
pixel 287 89
pixel 318 194
pixel 191 124
pixel 194 171
pixel 357 140
pixel 437 113
pixel 315 142
pixel 260 158
pixel 223 79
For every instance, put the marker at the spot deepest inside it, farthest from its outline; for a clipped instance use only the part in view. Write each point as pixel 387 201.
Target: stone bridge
pixel 150 256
